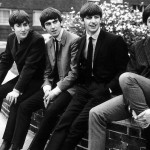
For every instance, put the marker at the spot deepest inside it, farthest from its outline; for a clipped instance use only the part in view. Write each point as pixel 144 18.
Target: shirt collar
pixel 60 35
pixel 94 36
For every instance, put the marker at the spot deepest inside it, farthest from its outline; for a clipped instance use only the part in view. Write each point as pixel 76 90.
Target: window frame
pixel 33 22
pixel 10 11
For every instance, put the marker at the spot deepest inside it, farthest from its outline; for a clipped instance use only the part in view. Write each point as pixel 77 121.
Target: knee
pixel 96 114
pixel 124 79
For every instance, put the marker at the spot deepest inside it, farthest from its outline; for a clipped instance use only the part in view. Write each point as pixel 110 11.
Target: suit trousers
pixel 112 110
pixel 52 113
pixel 136 93
pixel 12 124
pixel 74 122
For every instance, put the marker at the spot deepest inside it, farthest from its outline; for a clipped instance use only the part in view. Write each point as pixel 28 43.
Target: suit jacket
pixel 110 60
pixel 140 58
pixel 66 62
pixel 29 57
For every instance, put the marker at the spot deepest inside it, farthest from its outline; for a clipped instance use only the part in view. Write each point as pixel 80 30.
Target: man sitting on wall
pixel 27 48
pixel 59 78
pixel 102 57
pixel 135 85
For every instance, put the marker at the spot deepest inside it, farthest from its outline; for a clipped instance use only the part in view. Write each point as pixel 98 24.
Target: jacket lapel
pixel 63 38
pixel 99 43
pixel 147 49
pixel 51 51
pixel 81 48
pixel 14 48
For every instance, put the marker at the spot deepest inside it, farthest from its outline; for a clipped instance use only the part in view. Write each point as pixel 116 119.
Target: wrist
pixel 46 88
pixel 15 90
pixel 56 90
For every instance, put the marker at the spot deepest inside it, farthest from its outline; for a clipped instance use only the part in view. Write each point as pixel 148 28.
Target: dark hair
pixel 146 14
pixel 18 16
pixel 90 9
pixel 50 13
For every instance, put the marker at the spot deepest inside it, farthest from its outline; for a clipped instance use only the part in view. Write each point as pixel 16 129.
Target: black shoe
pixel 5 145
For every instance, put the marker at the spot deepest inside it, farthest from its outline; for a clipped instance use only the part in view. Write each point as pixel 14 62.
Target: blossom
pixel 119 19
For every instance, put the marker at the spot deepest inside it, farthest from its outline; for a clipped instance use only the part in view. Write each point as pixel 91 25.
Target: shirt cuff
pixel 47 88
pixel 110 90
pixel 15 90
pixel 56 90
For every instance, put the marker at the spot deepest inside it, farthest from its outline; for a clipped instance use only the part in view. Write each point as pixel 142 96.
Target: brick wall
pixel 122 135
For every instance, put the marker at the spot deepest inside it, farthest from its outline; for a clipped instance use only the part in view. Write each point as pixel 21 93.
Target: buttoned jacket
pixel 110 60
pixel 66 62
pixel 29 57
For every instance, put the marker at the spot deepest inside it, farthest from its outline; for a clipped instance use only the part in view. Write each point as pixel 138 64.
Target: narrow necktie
pixel 89 57
pixel 56 48
pixel 56 76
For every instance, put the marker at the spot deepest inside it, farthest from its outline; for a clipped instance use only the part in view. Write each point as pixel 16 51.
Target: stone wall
pixel 122 135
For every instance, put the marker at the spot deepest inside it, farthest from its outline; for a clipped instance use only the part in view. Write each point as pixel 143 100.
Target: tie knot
pixel 56 40
pixel 90 38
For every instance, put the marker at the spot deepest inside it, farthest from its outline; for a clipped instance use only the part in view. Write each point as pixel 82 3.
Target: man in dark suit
pixel 135 101
pixel 27 48
pixel 58 86
pixel 102 57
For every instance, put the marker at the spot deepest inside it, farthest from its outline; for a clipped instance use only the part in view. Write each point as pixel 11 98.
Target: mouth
pixel 93 26
pixel 54 31
pixel 23 34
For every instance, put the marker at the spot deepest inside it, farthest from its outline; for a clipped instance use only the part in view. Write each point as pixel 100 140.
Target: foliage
pixel 117 18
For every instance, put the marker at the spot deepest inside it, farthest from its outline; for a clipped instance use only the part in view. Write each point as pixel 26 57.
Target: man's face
pixel 21 30
pixel 92 23
pixel 53 27
pixel 148 23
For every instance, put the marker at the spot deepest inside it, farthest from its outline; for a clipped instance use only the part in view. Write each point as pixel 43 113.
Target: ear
pixel 12 29
pixel 82 22
pixel 61 24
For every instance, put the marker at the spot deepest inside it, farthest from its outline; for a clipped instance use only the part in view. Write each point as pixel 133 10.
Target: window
pixel 36 16
pixel 4 16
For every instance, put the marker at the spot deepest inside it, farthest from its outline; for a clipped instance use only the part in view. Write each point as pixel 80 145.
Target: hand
pixel 143 119
pixel 46 93
pixel 50 96
pixel 12 97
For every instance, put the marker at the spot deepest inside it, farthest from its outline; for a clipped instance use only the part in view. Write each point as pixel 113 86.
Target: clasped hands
pixel 143 119
pixel 48 97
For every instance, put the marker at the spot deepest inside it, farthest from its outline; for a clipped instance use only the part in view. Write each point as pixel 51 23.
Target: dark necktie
pixel 56 76
pixel 89 57
pixel 56 49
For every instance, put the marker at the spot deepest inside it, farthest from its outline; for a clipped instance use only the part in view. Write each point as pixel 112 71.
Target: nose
pixel 53 26
pixel 92 19
pixel 22 28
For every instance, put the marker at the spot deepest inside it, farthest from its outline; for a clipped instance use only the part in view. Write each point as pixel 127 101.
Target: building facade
pixel 34 8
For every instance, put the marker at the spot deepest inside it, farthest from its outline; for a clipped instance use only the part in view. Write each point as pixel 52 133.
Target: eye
pixel 17 25
pixel 25 24
pixel 96 16
pixel 47 24
pixel 55 21
pixel 88 17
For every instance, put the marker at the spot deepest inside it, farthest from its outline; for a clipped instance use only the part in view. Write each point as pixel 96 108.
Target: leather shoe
pixel 5 145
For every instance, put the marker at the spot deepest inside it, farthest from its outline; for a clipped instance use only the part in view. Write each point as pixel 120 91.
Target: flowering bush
pixel 117 18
